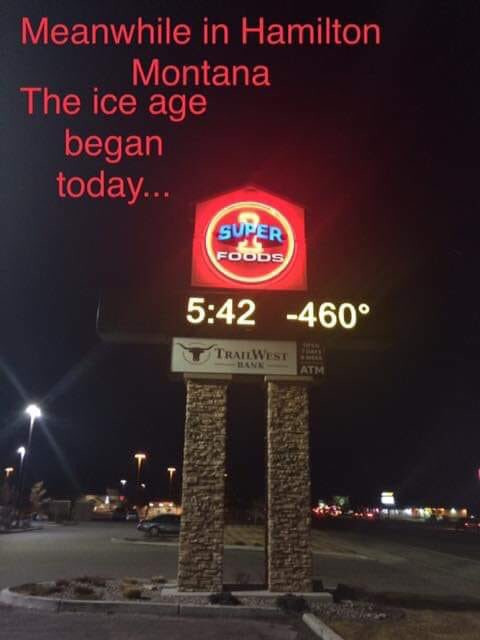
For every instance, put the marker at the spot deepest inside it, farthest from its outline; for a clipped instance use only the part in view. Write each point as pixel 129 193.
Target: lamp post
pixel 21 452
pixel 171 472
pixel 8 472
pixel 33 411
pixel 139 457
pixel 123 484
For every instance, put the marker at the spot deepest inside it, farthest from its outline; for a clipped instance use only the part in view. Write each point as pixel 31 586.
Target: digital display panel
pixel 141 316
pixel 241 312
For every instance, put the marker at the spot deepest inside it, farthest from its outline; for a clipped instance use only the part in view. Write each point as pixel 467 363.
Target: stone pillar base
pixel 200 564
pixel 289 548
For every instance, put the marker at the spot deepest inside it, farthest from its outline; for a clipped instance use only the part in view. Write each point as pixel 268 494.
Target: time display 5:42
pixel 240 312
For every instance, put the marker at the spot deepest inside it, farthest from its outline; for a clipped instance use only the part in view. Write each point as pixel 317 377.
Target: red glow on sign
pixel 249 239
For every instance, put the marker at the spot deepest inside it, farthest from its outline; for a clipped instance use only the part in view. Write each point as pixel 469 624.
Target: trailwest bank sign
pixel 246 357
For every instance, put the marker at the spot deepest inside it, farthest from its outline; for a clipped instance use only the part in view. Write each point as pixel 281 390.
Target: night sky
pixel 381 146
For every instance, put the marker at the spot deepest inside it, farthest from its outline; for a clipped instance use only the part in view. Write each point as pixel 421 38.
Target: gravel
pixel 356 611
pixel 152 590
pixel 105 589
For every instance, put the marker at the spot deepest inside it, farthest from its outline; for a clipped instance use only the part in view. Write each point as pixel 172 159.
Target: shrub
pixel 37 589
pixel 291 603
pixel 347 592
pixel 224 598
pixel 83 590
pixel 158 580
pixel 62 582
pixel 132 593
pixel 97 581
pixel 28 587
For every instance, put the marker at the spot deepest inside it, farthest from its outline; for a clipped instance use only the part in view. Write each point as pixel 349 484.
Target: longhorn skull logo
pixel 196 351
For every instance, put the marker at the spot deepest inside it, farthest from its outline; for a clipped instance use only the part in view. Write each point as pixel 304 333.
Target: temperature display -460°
pixel 328 315
pixel 243 312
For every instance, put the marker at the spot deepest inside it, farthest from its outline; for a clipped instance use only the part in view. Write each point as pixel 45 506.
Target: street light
pixel 21 452
pixel 34 412
pixel 123 483
pixel 8 471
pixel 139 457
pixel 171 471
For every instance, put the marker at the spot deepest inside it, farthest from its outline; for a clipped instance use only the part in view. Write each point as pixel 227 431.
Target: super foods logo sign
pixel 249 243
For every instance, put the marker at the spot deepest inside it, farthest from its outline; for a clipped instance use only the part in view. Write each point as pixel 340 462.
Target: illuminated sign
pixel 249 280
pixel 242 313
pixel 142 316
pixel 249 239
pixel 234 356
pixel 388 498
pixel 246 357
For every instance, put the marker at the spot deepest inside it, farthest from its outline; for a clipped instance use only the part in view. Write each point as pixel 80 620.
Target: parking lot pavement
pixel 416 564
pixel 22 624
pixel 67 552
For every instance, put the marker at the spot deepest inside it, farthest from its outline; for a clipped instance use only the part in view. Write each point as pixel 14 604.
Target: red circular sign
pixel 249 242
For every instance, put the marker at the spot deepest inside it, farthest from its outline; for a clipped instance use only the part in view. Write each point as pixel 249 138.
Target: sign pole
pixel 266 507
pixel 290 566
pixel 200 563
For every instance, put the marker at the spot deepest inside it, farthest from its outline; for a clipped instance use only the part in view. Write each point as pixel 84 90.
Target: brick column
pixel 289 549
pixel 200 563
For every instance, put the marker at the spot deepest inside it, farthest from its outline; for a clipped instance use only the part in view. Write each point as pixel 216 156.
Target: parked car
pixel 40 517
pixel 468 524
pixel 166 524
pixel 131 515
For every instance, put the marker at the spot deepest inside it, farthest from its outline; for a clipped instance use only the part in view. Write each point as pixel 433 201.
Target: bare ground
pixel 416 625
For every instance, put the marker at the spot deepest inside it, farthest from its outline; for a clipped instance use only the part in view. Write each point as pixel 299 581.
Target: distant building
pixel 159 507
pixel 94 506
pixel 421 514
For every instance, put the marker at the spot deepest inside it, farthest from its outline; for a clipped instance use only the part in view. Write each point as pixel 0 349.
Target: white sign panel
pixel 387 498
pixel 310 359
pixel 254 357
